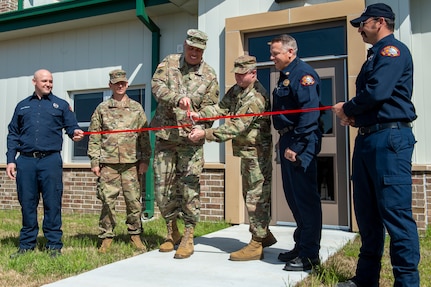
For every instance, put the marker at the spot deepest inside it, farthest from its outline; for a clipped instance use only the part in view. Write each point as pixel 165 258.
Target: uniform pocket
pixel 398 191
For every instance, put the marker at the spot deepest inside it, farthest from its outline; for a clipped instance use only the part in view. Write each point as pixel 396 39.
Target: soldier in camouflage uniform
pixel 118 158
pixel 252 142
pixel 181 81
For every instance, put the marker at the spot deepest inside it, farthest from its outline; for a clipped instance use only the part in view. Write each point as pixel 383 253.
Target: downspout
pixel 148 211
pixel 20 5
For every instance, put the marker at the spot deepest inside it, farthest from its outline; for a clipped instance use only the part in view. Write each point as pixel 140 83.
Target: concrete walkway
pixel 209 265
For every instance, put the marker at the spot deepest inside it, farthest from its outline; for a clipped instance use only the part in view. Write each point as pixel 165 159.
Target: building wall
pixel 81 59
pixel 8 5
pixel 79 195
pixel 421 41
pixel 421 198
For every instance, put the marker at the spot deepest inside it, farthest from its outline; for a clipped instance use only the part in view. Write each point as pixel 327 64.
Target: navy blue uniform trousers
pixel 382 198
pixel 302 196
pixel 35 177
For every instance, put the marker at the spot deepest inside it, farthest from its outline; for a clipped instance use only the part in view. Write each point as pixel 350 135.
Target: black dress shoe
pixel 20 252
pixel 301 264
pixel 287 256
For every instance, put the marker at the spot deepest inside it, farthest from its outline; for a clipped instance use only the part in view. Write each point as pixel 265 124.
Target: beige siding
pixel 421 43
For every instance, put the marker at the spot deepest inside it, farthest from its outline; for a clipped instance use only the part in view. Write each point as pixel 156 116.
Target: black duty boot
pixel 20 252
pixel 289 255
pixel 301 264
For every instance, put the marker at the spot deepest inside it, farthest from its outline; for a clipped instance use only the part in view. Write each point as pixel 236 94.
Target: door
pixel 324 47
pixel 332 160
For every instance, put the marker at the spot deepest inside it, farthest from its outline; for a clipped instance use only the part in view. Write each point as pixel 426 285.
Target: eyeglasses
pixel 362 23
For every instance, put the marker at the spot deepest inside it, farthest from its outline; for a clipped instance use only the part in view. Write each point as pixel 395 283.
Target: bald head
pixel 42 81
pixel 41 73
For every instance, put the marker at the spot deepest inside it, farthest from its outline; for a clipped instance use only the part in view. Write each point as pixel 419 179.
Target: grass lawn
pixel 81 243
pixel 342 265
pixel 80 247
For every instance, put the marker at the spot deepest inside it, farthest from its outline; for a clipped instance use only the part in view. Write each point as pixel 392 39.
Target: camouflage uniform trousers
pixel 113 179
pixel 256 189
pixel 177 171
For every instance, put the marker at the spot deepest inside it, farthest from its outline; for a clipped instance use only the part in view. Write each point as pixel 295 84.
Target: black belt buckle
pixel 285 130
pixel 38 154
pixel 363 131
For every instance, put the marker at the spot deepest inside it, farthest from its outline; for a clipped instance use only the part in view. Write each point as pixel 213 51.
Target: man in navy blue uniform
pixel 382 181
pixel 300 141
pixel 35 132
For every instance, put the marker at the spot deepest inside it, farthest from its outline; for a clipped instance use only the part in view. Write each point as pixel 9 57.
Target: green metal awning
pixel 67 11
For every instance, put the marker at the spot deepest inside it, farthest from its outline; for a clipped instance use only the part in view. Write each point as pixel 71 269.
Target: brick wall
pixel 79 195
pixel 421 195
pixel 8 5
pixel 212 195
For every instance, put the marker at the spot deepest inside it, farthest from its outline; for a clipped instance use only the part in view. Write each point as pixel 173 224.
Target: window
pixel 84 105
pixel 322 41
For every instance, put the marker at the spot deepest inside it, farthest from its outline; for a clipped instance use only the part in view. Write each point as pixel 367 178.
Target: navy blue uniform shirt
pixel 384 86
pixel 37 125
pixel 298 88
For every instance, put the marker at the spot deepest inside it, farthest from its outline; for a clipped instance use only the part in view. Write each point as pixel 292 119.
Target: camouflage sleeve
pixel 211 98
pixel 220 109
pixel 254 103
pixel 95 140
pixel 144 147
pixel 166 84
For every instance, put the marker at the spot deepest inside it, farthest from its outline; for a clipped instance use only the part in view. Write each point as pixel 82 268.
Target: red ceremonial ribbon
pixel 324 108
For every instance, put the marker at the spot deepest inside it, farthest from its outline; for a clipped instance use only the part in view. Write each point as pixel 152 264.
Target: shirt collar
pixel 287 70
pixel 119 104
pixel 380 44
pixel 44 97
pixel 197 69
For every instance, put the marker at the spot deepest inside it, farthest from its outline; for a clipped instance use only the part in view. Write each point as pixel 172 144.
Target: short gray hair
pixel 287 42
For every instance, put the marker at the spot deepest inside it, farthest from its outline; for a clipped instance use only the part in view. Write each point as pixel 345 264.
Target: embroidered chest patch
pixel 390 51
pixel 307 80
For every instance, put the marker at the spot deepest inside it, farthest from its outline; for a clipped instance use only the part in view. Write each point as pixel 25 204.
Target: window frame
pixel 105 95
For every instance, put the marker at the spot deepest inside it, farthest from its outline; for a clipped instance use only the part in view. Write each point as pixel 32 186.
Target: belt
pixel 286 130
pixel 377 127
pixel 37 154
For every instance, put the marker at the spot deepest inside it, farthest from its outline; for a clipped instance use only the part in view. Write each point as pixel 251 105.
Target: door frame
pixel 236 27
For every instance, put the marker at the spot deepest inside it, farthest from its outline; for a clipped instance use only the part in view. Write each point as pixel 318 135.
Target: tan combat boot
pixel 253 251
pixel 186 248
pixel 268 240
pixel 172 238
pixel 106 243
pixel 137 243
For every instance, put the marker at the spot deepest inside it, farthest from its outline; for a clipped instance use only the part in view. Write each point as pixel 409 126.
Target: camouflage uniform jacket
pixel 245 132
pixel 173 80
pixel 126 147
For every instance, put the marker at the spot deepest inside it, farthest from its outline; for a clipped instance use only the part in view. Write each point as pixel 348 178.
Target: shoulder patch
pixel 390 51
pixel 307 80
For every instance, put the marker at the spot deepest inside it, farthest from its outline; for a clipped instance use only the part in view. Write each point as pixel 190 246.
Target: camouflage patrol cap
pixel 116 76
pixel 244 64
pixel 196 38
